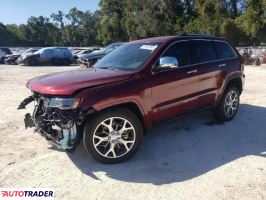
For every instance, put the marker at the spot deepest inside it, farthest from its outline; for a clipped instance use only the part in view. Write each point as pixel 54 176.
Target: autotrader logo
pixel 27 193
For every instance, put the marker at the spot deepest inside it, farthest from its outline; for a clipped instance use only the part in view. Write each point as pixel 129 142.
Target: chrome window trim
pixel 187 40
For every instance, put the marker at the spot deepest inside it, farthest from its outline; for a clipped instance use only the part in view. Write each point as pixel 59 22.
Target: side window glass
pixel 204 51
pixel 60 53
pixel 7 51
pixel 224 50
pixel 48 53
pixel 181 51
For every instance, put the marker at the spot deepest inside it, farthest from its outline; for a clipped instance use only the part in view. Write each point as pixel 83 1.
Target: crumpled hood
pixel 66 83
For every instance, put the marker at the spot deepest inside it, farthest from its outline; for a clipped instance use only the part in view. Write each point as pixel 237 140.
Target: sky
pixel 18 11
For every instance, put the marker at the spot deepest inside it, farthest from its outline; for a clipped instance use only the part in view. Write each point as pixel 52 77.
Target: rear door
pixel 228 62
pixel 214 60
pixel 211 73
pixel 174 91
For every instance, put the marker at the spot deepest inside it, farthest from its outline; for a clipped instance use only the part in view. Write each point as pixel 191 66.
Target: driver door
pixel 174 90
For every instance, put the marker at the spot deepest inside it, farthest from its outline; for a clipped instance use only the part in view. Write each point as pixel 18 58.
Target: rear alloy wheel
pixel 257 62
pixel 228 105
pixel 32 62
pixel 113 136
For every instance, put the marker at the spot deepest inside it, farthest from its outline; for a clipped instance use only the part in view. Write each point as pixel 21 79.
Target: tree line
pixel 242 22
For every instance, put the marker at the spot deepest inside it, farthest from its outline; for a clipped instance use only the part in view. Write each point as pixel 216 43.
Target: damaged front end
pixel 58 119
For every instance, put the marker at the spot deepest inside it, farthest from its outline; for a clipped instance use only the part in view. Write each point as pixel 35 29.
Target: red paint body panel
pixel 158 96
pixel 174 93
pixel 66 83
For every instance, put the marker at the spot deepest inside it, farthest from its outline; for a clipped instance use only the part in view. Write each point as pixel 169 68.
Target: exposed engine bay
pixel 60 125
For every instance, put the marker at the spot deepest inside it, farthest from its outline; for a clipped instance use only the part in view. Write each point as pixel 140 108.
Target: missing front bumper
pixel 66 136
pixel 59 127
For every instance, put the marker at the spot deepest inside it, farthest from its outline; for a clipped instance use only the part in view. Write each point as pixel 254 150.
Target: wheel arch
pixel 130 105
pixel 233 81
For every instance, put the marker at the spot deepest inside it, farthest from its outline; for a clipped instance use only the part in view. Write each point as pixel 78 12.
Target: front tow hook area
pixel 25 102
pixel 28 121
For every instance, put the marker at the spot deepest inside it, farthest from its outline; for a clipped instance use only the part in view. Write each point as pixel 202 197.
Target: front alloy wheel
pixel 113 136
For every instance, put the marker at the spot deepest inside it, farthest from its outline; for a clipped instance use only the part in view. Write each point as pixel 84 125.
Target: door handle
pixel 222 65
pixel 193 71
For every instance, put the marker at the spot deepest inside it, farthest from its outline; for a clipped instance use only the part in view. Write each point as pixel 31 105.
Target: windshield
pixel 40 51
pixel 112 47
pixel 127 57
pixel 29 51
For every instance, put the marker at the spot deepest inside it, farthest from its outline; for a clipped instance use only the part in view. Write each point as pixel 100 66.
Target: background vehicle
pixel 3 53
pixel 87 51
pixel 132 88
pixel 263 57
pixel 75 50
pixel 82 52
pixel 90 59
pixel 49 55
pixel 13 59
pixel 251 56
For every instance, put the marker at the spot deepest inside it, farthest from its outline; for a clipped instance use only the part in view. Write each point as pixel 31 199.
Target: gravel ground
pixel 187 158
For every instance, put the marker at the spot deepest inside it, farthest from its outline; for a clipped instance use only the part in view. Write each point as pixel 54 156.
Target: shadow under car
pixel 184 148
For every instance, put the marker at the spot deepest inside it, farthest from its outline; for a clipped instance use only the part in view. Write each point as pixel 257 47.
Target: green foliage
pixel 232 32
pixel 6 37
pixel 252 22
pixel 110 26
pixel 79 29
pixel 242 22
pixel 40 31
pixel 151 18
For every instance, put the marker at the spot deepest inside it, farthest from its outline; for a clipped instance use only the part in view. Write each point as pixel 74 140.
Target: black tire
pixel 2 60
pixel 94 123
pixel 65 62
pixel 32 62
pixel 220 111
pixel 257 62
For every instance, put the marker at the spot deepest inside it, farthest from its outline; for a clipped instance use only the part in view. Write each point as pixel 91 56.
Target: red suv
pixel 139 84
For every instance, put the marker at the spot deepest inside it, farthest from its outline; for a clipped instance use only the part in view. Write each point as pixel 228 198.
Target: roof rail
pixel 196 34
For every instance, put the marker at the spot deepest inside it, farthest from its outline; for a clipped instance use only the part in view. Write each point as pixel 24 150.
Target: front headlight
pixel 63 103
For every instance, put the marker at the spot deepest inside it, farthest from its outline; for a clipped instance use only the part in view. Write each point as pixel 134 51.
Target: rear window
pixel 224 50
pixel 204 51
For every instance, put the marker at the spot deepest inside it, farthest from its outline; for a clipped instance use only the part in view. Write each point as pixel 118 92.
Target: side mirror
pixel 168 62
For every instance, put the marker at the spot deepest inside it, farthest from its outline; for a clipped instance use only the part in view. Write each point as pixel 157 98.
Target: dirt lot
pixel 188 158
